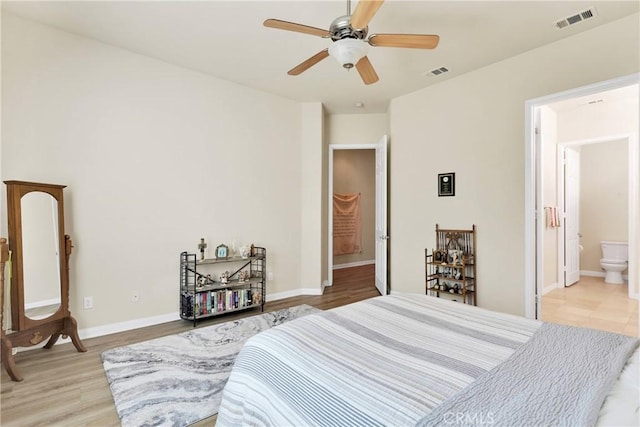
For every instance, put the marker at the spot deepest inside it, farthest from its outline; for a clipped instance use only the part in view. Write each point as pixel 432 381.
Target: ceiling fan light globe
pixel 348 51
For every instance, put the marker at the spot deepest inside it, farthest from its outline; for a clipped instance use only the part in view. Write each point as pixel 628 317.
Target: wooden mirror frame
pixel 28 332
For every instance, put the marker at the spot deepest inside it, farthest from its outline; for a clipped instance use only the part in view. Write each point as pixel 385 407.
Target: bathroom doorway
pixel 545 264
pixel 593 193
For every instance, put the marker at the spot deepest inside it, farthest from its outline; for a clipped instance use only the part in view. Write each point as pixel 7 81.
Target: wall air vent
pixel 437 71
pixel 575 18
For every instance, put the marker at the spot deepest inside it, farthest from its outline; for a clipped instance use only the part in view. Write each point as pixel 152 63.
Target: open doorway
pixel 559 125
pixel 358 173
pixel 593 193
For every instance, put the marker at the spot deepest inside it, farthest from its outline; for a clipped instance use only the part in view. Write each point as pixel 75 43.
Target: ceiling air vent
pixel 437 71
pixel 578 17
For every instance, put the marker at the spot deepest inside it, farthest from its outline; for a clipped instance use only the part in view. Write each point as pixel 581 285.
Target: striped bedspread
pixel 385 361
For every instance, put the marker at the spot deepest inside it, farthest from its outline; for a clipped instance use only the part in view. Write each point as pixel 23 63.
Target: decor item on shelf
pixel 257 298
pixel 455 257
pixel 224 277
pixel 440 256
pixel 201 282
pixel 202 246
pixel 243 276
pixel 204 280
pixel 222 251
pixel 245 251
pixel 252 250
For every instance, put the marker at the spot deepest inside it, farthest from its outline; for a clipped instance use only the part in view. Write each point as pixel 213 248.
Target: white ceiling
pixel 226 39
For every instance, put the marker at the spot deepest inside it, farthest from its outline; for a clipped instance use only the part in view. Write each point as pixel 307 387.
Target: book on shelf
pixel 210 302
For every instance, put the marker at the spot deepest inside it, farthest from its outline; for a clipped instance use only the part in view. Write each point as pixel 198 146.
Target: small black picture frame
pixel 446 184
pixel 222 251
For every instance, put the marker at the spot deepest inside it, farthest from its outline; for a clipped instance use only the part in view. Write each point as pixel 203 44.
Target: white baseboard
pixel 354 264
pixel 549 288
pixel 112 328
pixel 592 273
pixel 392 292
pixel 599 274
pixel 293 293
pixel 42 303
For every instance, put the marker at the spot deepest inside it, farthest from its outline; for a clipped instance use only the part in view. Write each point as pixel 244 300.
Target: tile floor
pixel 592 303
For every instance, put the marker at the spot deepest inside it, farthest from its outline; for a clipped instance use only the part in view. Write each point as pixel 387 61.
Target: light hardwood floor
pixel 64 388
pixel 592 303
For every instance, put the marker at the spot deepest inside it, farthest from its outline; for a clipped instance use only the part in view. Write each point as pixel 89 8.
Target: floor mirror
pixel 38 254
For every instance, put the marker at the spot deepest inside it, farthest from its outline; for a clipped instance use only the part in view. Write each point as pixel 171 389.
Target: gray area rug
pixel 178 380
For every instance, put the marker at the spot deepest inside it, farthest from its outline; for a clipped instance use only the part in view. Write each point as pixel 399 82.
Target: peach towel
pixel 553 221
pixel 347 224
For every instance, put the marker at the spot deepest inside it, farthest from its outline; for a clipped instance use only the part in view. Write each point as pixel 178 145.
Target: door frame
pixel 533 221
pixel 332 149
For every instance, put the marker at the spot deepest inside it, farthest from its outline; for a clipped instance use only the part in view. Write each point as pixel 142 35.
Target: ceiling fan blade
pixel 298 69
pixel 365 10
pixel 367 73
pixel 416 41
pixel 298 28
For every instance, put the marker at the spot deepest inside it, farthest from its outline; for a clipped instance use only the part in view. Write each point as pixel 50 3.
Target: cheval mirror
pixel 39 253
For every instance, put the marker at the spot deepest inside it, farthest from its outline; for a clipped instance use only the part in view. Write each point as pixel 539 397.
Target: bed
pixel 404 360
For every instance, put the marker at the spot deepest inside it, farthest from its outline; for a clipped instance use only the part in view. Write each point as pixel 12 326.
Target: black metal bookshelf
pixel 202 296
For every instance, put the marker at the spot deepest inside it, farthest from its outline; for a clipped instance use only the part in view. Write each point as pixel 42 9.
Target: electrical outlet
pixel 270 276
pixel 88 303
pixel 135 296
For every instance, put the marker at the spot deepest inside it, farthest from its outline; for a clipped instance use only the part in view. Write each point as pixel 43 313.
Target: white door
pixel 572 216
pixel 381 216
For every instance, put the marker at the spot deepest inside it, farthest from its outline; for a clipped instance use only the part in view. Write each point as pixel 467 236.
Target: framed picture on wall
pixel 446 184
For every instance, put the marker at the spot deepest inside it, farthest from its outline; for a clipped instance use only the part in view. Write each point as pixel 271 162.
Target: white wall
pixel 155 157
pixel 310 163
pixel 474 125
pixel 599 120
pixel 356 128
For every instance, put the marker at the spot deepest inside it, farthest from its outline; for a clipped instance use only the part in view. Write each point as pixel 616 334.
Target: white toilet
pixel 614 262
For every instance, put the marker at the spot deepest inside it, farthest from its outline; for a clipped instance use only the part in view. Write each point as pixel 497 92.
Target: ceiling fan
pixel 350 42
